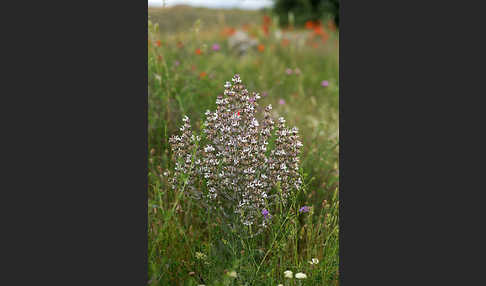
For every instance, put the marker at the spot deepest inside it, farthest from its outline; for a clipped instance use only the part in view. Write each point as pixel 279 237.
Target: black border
pixel 78 172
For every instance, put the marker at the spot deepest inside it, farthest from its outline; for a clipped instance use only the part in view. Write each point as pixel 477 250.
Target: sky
pixel 242 4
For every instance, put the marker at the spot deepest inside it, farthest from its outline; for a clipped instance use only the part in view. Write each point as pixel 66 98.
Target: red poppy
pixel 158 43
pixel 202 75
pixel 267 20
pixel 309 25
pixel 198 52
pixel 261 47
pixel 265 30
pixel 318 30
pixel 228 31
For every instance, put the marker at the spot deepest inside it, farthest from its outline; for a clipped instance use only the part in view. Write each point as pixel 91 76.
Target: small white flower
pixel 227 84
pixel 236 79
pixel 300 275
pixel 314 261
pixel 200 255
pixel 280 285
pixel 209 148
pixel 288 274
pixel 232 274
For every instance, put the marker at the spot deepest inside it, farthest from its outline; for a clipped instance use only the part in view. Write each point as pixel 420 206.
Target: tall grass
pixel 188 245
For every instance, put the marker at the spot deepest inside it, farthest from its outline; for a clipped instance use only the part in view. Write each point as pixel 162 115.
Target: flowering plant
pixel 237 164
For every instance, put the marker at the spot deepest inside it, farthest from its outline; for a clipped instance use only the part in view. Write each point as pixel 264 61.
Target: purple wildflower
pixel 288 71
pixel 324 83
pixel 264 93
pixel 265 213
pixel 304 209
pixel 216 47
pixel 177 63
pixel 281 101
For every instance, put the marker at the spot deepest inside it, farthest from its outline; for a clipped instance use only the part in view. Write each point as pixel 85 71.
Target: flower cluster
pixel 232 167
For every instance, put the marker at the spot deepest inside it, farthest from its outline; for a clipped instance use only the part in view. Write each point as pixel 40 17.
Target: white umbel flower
pixel 288 274
pixel 300 275
pixel 232 274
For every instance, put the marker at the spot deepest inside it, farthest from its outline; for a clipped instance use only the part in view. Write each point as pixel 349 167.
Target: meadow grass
pixel 189 245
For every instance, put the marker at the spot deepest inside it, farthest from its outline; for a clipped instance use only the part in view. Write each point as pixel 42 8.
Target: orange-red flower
pixel 228 31
pixel 202 75
pixel 198 52
pixel 158 43
pixel 261 47
pixel 267 20
pixel 309 25
pixel 318 30
pixel 265 29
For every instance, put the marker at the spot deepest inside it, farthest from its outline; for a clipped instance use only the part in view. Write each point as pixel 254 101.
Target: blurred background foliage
pixel 302 11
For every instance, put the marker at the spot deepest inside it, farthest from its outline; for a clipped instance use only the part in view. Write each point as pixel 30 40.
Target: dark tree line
pixel 307 10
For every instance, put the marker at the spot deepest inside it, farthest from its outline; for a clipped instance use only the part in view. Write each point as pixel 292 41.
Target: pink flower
pixel 324 83
pixel 265 213
pixel 288 71
pixel 304 209
pixel 281 101
pixel 216 47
